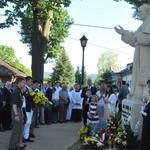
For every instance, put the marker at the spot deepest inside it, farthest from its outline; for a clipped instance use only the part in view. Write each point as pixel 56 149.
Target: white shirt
pixel 76 100
pixel 112 102
pixel 57 92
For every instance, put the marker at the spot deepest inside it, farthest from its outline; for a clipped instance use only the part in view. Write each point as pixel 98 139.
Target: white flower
pixel 124 143
pixel 96 135
pixel 99 144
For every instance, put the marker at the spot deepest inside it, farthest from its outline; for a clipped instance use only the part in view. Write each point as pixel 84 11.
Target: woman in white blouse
pixel 111 99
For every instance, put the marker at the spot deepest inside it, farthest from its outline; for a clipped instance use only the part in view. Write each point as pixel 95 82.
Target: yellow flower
pixel 38 98
pixel 32 93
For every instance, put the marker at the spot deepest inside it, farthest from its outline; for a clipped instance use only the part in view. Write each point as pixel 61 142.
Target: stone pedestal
pixel 131 112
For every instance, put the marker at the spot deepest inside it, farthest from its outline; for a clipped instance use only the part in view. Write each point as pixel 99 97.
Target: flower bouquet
pixel 93 142
pixel 84 132
pixel 112 137
pixel 121 139
pixel 39 99
pixel 89 139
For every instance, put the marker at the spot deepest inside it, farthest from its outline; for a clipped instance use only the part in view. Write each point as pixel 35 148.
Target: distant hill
pixel 92 76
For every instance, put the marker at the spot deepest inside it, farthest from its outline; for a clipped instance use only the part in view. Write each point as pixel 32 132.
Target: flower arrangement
pixel 93 142
pixel 121 139
pixel 39 99
pixel 89 138
pixel 84 132
pixel 110 137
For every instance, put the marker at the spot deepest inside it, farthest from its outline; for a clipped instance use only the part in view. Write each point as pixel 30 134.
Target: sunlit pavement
pixel 48 137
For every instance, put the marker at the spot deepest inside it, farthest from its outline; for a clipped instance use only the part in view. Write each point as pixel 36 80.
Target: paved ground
pixel 48 137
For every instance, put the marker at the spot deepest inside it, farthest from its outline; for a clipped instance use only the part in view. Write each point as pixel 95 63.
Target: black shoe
pixel 8 129
pixel 36 126
pixel 2 130
pixel 60 121
pixel 42 124
pixel 32 135
pixel 20 148
pixel 28 140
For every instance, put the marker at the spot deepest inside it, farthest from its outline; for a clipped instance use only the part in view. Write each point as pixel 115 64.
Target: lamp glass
pixel 83 41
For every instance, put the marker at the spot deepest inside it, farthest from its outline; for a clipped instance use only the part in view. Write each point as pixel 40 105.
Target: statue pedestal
pixel 131 112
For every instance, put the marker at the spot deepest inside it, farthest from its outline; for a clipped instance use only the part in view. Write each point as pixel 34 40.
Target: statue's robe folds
pixel 141 63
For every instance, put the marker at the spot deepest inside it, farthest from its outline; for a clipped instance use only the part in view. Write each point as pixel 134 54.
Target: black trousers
pixel 84 117
pixel 6 117
pixel 1 115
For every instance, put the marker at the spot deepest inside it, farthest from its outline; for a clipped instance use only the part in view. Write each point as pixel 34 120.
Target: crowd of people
pixel 90 104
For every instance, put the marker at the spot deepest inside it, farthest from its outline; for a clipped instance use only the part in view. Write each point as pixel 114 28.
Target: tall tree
pixel 63 71
pixel 41 13
pixel 78 76
pixel 8 55
pixel 107 62
pixel 107 78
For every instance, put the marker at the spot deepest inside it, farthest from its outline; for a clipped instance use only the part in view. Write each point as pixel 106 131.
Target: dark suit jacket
pixel 2 98
pixel 93 91
pixel 86 106
pixel 29 103
pixel 146 128
pixel 49 93
pixel 7 95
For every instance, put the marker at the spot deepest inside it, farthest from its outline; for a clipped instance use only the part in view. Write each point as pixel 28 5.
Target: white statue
pixel 141 63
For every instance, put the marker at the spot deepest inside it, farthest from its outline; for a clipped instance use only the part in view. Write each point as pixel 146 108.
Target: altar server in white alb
pixel 76 104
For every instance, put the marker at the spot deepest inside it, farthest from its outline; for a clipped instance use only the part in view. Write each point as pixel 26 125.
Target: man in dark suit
pixel 89 87
pixel 7 90
pixel 123 92
pixel 86 94
pixel 2 105
pixel 48 111
pixel 29 111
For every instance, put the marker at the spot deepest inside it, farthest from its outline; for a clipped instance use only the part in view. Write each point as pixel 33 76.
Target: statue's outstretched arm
pixel 120 30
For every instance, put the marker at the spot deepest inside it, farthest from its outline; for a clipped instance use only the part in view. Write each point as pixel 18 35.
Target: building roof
pixel 8 70
pixel 124 72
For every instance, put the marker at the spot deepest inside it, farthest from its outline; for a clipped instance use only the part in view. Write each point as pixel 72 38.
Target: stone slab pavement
pixel 48 137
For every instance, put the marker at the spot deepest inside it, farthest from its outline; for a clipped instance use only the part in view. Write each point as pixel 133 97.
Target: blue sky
pixel 103 13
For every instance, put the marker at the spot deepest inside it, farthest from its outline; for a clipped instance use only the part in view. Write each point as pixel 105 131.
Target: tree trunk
pixel 40 36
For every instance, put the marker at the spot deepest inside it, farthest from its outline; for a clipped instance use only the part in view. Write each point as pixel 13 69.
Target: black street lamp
pixel 83 41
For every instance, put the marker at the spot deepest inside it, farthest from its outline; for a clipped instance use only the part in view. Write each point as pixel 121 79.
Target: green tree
pixel 78 76
pixel 59 30
pixel 85 76
pixel 8 55
pixel 63 71
pixel 107 61
pixel 107 78
pixel 41 16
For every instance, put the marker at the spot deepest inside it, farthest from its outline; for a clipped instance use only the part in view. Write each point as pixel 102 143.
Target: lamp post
pixel 83 41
